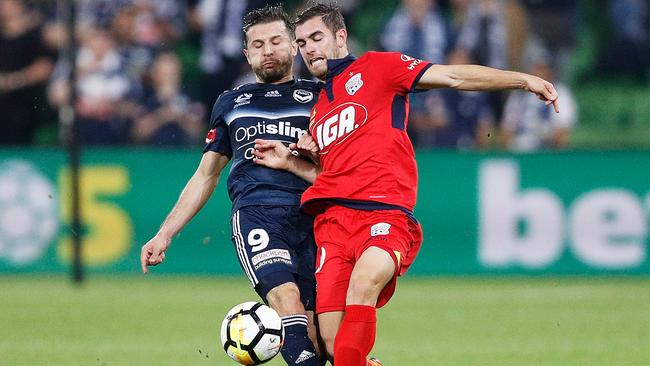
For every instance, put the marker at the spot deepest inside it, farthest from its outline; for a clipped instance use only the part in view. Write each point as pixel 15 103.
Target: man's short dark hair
pixel 268 14
pixel 330 14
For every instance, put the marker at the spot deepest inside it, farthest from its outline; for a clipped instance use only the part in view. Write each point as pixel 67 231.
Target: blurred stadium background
pixel 536 225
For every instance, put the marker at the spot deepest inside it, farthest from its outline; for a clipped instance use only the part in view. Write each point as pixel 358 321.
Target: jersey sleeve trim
pixel 414 86
pixel 220 149
pixel 218 138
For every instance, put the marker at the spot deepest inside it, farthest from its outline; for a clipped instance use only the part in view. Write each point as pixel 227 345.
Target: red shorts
pixel 343 234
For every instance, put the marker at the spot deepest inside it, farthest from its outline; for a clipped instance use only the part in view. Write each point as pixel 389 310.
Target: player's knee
pixel 285 299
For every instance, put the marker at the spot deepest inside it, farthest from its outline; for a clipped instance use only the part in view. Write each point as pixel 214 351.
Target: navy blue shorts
pixel 275 245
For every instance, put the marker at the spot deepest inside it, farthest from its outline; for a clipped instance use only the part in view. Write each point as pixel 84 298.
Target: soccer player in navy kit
pixel 272 238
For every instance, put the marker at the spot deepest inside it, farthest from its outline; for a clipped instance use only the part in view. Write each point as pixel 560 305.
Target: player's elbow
pixel 440 76
pixel 455 82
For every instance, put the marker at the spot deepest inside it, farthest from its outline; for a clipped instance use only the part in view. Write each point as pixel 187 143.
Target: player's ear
pixel 341 37
pixel 294 48
pixel 247 58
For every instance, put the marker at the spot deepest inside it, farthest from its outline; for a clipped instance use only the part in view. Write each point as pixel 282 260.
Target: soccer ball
pixel 252 333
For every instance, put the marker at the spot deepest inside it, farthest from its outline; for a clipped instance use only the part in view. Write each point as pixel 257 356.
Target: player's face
pixel 270 51
pixel 317 44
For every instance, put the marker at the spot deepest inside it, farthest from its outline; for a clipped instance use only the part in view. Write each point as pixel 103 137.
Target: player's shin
pixel 298 348
pixel 356 336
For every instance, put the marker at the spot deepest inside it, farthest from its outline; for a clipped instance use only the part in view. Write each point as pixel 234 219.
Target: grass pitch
pixel 164 320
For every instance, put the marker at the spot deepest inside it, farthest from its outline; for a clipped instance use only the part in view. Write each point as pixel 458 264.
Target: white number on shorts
pixel 322 259
pixel 258 239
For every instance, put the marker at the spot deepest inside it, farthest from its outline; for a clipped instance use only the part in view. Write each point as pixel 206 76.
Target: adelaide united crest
pixel 354 84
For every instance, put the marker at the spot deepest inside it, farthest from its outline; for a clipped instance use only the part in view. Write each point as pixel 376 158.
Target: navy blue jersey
pixel 267 111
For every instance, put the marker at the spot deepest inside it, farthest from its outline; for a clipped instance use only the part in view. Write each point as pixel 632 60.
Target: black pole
pixel 70 135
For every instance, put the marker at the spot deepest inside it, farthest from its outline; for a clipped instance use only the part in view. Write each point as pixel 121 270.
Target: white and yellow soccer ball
pixel 252 333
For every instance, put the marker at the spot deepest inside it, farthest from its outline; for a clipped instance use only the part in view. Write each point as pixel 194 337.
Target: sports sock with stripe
pixel 298 348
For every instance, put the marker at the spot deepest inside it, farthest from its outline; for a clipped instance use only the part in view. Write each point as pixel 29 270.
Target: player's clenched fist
pixel 307 146
pixel 274 154
pixel 153 253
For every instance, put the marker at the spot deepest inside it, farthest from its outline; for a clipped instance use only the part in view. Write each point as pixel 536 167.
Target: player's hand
pixel 307 146
pixel 544 90
pixel 272 154
pixel 153 253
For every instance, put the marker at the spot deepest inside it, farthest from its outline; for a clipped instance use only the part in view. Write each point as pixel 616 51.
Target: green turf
pixel 161 320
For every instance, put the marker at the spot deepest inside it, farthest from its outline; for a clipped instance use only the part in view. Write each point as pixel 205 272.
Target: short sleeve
pixel 218 138
pixel 401 72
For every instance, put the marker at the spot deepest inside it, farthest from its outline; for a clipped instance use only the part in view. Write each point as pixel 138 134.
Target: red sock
pixel 356 336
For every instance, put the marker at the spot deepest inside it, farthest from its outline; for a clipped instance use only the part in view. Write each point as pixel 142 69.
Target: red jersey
pixel 360 124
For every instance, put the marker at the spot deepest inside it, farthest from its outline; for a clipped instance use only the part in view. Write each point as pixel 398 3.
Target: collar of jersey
pixel 271 85
pixel 337 66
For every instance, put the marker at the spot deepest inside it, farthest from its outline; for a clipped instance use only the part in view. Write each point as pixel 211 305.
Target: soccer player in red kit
pixel 364 195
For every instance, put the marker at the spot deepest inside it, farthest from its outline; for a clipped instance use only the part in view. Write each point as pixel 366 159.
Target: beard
pixel 281 69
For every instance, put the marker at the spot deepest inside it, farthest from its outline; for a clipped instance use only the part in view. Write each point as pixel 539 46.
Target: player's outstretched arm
pixel 476 77
pixel 196 193
pixel 274 154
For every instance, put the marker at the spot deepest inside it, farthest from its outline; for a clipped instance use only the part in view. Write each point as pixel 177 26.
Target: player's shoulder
pixel 380 55
pixel 377 60
pixel 243 88
pixel 230 99
pixel 234 95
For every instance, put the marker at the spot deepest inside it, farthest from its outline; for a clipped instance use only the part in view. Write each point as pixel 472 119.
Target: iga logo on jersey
pixel 337 125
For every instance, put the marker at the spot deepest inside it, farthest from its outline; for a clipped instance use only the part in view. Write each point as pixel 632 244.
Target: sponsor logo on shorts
pixel 381 228
pixel 270 257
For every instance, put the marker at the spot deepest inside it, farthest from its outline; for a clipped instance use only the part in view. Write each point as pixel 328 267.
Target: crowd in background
pixel 132 88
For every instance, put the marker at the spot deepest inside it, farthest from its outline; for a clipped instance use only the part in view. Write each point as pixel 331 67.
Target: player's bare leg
pixel 312 332
pixel 356 336
pixel 301 344
pixel 371 273
pixel 328 325
pixel 285 299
